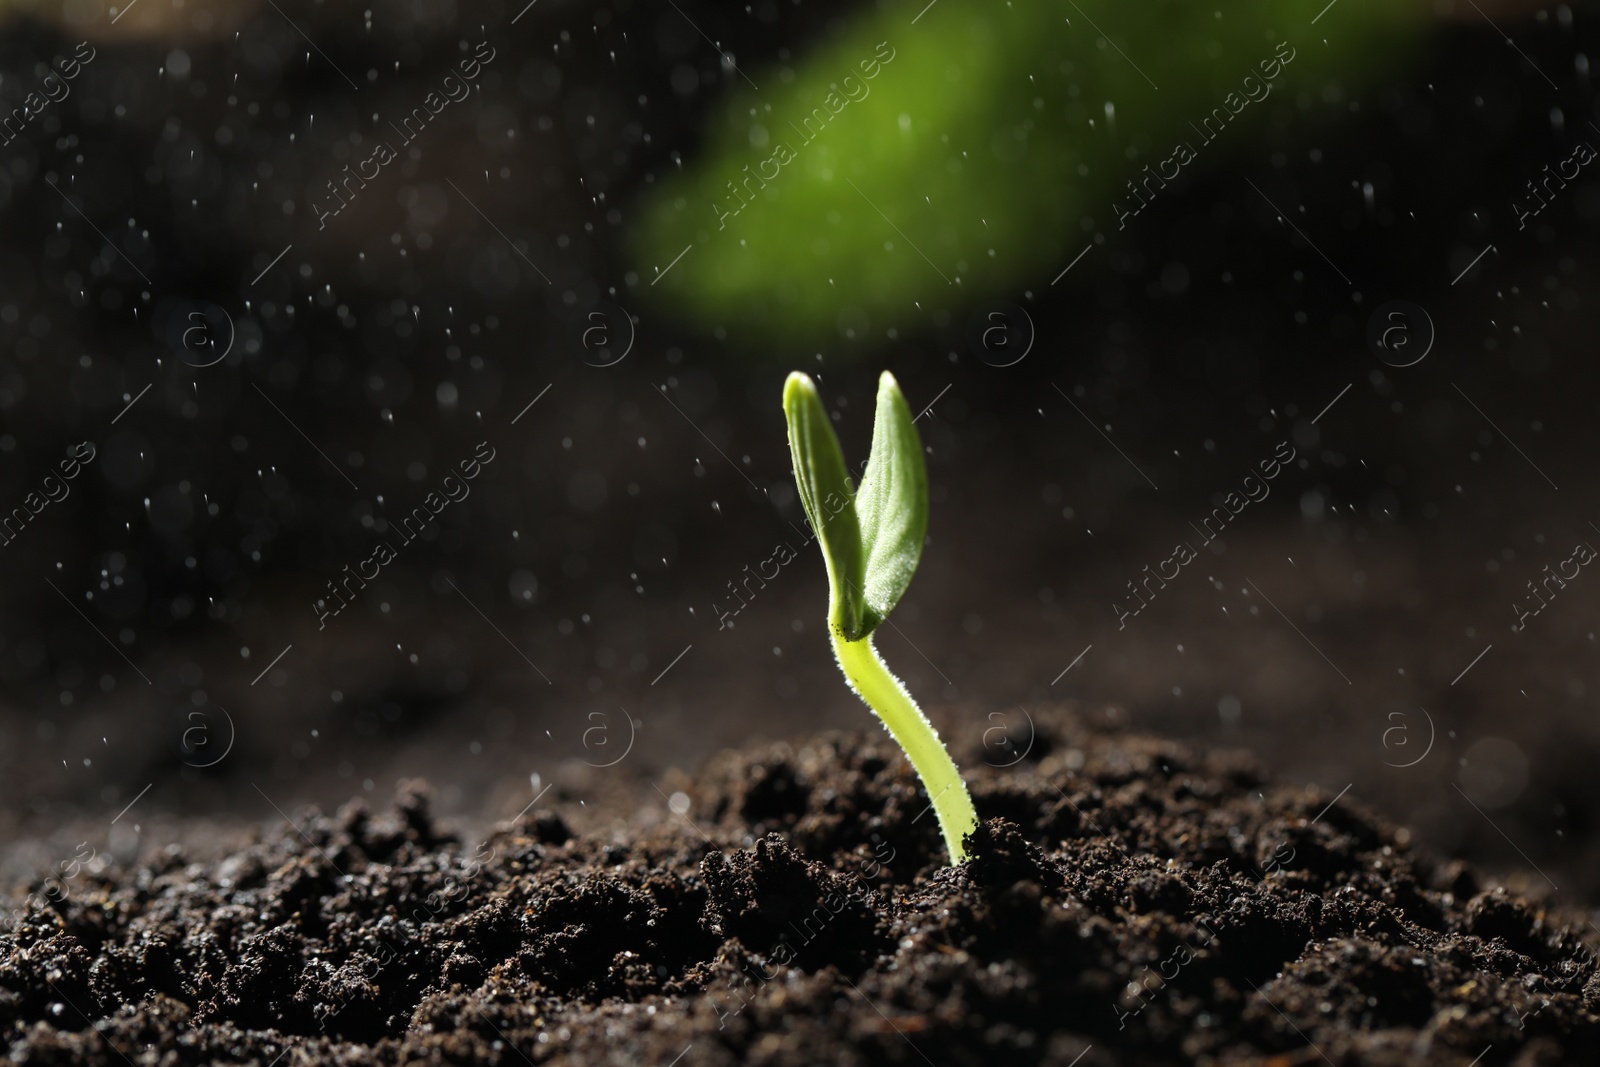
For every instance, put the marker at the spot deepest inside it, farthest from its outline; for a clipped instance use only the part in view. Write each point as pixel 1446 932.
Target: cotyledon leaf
pixel 892 505
pixel 829 502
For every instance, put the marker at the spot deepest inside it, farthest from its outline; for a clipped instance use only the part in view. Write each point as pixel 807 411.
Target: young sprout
pixel 871 541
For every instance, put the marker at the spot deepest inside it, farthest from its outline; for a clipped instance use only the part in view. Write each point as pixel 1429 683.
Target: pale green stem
pixel 888 699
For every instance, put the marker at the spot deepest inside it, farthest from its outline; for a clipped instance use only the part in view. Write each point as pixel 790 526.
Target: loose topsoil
pixel 1130 900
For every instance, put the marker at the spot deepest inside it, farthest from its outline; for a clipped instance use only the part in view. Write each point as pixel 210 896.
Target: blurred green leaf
pixel 978 150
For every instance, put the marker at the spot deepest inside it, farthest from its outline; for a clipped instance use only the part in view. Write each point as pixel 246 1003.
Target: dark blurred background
pixel 266 400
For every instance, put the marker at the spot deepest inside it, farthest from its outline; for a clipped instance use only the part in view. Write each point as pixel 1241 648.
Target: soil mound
pixel 1129 901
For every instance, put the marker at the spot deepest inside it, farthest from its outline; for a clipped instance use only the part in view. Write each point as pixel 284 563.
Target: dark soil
pixel 1130 901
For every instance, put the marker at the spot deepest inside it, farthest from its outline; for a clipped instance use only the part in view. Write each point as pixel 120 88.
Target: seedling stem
pixel 886 695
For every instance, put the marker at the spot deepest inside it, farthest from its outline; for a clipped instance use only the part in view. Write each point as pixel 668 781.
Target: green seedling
pixel 871 541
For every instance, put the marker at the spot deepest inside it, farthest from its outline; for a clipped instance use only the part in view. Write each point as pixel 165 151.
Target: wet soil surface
pixel 1130 900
